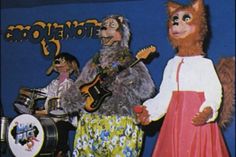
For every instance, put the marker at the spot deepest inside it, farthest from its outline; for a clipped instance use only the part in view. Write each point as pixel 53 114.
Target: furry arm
pixel 73 100
pixel 132 86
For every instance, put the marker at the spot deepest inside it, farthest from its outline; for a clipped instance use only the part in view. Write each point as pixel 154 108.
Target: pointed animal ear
pixel 121 19
pixel 172 6
pixel 197 4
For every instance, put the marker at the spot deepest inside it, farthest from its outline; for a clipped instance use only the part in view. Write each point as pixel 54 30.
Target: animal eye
pixel 63 60
pixel 175 19
pixel 186 18
pixel 113 25
pixel 105 24
pixel 57 61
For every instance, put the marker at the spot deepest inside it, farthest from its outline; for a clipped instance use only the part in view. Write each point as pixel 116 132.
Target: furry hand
pixel 142 114
pixel 201 117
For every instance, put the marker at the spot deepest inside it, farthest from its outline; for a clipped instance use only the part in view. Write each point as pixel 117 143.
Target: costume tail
pixel 226 72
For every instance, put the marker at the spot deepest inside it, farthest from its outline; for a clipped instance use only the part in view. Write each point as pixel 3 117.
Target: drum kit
pixel 26 100
pixel 30 134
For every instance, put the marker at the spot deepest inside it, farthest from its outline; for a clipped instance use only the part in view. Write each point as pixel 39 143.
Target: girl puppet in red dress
pixel 190 93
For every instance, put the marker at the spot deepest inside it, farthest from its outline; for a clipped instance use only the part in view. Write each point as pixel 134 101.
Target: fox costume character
pixel 190 93
pixel 111 129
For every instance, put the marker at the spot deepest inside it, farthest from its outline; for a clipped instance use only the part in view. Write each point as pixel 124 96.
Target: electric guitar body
pixel 96 92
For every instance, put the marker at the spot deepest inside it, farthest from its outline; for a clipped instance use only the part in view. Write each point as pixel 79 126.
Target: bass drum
pixel 30 136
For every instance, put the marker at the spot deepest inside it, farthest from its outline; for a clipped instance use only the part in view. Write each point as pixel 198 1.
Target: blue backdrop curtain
pixel 23 63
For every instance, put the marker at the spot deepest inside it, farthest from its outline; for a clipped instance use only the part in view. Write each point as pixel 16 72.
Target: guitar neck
pixel 135 62
pixel 130 65
pixel 141 55
pixel 109 79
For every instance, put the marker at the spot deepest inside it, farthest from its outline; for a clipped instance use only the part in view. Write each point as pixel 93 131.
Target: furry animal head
pixel 64 62
pixel 114 30
pixel 187 27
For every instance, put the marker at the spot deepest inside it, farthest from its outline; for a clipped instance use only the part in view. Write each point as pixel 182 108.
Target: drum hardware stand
pixel 33 97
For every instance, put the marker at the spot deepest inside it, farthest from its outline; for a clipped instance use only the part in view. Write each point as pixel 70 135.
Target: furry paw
pixel 201 117
pixel 142 114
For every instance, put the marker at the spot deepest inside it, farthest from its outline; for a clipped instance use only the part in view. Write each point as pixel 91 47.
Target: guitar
pixel 96 92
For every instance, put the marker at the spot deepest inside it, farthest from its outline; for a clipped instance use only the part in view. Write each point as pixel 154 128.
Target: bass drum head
pixel 25 136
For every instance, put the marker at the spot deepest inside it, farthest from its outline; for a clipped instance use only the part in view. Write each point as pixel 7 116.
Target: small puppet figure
pixel 190 93
pixel 65 65
pixel 110 130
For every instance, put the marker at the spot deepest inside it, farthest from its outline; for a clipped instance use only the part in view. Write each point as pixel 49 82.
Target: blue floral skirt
pixel 107 136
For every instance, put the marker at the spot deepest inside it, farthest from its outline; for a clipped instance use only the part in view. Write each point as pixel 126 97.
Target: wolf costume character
pixel 190 92
pixel 111 129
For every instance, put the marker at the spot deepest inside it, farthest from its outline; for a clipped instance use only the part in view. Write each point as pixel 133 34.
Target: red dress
pixel 180 138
